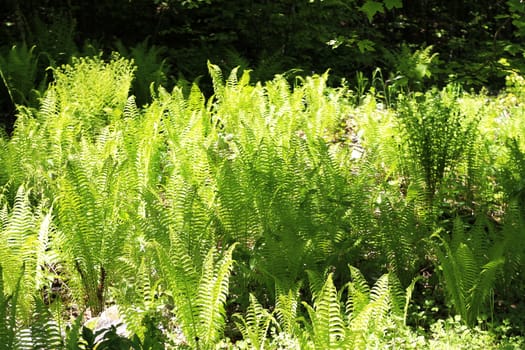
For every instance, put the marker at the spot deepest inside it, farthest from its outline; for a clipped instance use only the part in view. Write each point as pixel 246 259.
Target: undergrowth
pixel 265 216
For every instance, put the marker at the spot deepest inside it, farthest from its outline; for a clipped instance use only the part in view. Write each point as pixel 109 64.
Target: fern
pixel 140 298
pixel 92 217
pixel 151 71
pixel 18 70
pixel 373 311
pixel 438 134
pixel 45 332
pixel 327 322
pixel 286 309
pixel 369 313
pixel 94 92
pixel 359 291
pixel 469 269
pixel 25 235
pixel 8 313
pixel 211 298
pixel 217 80
pixel 73 335
pixel 254 327
pixel 199 300
pixel 42 333
pixel 399 230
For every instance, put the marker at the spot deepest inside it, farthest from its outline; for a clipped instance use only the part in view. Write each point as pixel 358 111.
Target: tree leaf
pixel 370 8
pixel 390 4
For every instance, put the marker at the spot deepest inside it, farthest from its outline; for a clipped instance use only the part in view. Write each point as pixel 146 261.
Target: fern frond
pixel 254 327
pixel 45 332
pixel 327 323
pixel 373 318
pixel 316 282
pixel 358 292
pixel 408 297
pixel 398 296
pixel 468 268
pixel 178 272
pixel 25 240
pixel 452 274
pixel 130 109
pixel 95 208
pixel 211 297
pixel 469 272
pixel 484 287
pixel 9 330
pixel 217 80
pixel 380 295
pixel 286 304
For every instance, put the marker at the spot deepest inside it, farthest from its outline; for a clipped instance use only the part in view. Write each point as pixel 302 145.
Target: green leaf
pixel 390 4
pixel 365 45
pixel 370 8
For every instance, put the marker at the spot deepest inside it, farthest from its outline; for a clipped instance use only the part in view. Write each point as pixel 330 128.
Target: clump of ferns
pixel 470 262
pixel 26 239
pixel 42 332
pixel 438 133
pixel 360 321
pixel 198 294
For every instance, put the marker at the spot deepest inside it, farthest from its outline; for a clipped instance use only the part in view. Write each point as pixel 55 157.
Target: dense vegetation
pixel 417 43
pixel 263 209
pixel 281 216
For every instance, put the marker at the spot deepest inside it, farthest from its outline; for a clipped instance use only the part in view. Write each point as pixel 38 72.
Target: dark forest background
pixel 415 43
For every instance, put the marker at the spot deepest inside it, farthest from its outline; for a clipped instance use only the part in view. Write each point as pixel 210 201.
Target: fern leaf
pixel 380 295
pixel 484 287
pixel 358 292
pixel 212 293
pixel 254 327
pixel 327 322
pixel 216 76
pixel 374 317
pixel 45 333
pixel 286 308
pixel 9 331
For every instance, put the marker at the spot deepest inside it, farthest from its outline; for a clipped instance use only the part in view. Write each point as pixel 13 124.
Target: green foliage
pixel 25 240
pixel 367 313
pixel 174 210
pixel 93 92
pixel 470 264
pixel 438 134
pixel 199 297
pixel 151 71
pixel 8 313
pixel 255 326
pixel 19 70
pixel 411 69
pixel 327 322
pixel 371 8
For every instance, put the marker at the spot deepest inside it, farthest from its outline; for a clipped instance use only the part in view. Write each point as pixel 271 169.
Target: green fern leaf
pixel 328 327
pixel 45 332
pixel 358 292
pixel 211 297
pixel 216 76
pixel 286 308
pixel 254 327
